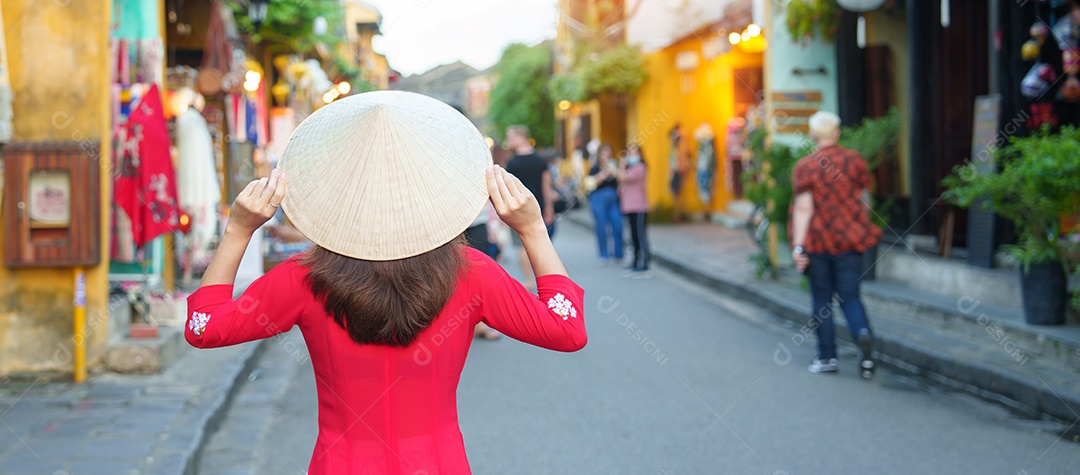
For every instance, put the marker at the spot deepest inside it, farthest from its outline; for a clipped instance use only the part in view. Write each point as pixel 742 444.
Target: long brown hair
pixel 385 302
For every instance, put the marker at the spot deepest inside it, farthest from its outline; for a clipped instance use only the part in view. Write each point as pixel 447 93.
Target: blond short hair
pixel 518 129
pixel 823 124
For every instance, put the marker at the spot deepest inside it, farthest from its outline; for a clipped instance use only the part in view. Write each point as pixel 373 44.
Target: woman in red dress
pixel 384 184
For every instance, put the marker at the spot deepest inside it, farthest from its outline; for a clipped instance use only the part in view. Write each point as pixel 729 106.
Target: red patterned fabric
pixel 145 180
pixel 386 410
pixel 835 177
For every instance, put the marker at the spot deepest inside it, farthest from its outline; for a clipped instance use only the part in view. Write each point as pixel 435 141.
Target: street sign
pixel 985 139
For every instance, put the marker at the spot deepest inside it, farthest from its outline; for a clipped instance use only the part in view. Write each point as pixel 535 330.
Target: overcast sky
pixel 421 34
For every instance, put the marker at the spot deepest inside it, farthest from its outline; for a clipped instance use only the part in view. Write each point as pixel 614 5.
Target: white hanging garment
pixel 197 181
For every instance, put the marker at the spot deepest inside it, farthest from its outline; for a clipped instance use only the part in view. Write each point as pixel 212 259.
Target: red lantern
pixel 1046 73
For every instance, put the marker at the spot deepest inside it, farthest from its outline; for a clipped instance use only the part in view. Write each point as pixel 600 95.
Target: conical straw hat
pixel 385 175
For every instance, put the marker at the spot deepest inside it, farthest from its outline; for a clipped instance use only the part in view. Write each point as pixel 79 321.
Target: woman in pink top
pixel 388 335
pixel 633 174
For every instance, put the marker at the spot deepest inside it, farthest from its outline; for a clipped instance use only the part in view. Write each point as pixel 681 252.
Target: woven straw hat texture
pixel 385 175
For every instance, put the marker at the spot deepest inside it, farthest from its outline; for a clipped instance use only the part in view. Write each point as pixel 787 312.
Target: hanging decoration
pixel 197 178
pixel 217 55
pixel 861 7
pixel 1037 81
pixel 812 19
pixel 706 162
pixel 1031 48
pixel 1070 89
pixel 1067 30
pixel 145 185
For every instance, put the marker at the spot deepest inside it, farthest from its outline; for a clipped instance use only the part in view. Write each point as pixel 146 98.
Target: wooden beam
pixel 796 112
pixel 792 128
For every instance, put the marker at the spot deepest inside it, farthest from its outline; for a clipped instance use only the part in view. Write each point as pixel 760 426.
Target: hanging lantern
pixel 1046 73
pixel 1070 62
pixel 1030 50
pixel 1070 90
pixel 1038 31
pixel 860 7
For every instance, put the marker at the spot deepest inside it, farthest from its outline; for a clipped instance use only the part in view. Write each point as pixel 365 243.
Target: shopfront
pixel 703 94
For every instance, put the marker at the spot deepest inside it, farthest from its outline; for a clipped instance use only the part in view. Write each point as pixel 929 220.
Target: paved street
pixel 675 380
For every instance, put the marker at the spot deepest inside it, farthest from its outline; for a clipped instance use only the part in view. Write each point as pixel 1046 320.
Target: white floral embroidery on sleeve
pixel 198 321
pixel 562 306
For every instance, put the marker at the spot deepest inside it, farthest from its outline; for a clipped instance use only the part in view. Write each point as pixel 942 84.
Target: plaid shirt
pixel 835 177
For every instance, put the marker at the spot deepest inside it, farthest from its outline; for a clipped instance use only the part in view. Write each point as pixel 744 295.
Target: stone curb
pixel 983 380
pixel 211 419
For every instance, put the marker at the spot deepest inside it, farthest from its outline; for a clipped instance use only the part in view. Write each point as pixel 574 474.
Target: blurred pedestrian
pixel 604 203
pixel 634 201
pixel 532 170
pixel 389 293
pixel 830 231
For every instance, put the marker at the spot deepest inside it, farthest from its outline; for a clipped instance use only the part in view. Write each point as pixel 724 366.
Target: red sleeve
pixel 270 305
pixel 554 320
pixel 862 174
pixel 801 179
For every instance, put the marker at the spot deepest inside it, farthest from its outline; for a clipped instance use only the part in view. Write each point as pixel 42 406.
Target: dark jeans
pixel 604 203
pixel 837 274
pixel 640 239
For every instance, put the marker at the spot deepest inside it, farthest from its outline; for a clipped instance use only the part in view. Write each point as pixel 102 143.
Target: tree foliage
pixel 289 24
pixel 809 19
pixel 618 69
pixel 520 95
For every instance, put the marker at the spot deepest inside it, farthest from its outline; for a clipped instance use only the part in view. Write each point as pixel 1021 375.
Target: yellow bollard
pixel 80 325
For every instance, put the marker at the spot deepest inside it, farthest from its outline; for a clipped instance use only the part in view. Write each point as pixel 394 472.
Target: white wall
pixel 659 22
pixel 783 55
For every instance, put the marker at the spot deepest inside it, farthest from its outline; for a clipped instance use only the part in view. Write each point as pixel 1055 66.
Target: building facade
pixel 58 60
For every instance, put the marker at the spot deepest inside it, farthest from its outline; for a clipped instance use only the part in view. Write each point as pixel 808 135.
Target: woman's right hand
pixel 515 204
pixel 256 203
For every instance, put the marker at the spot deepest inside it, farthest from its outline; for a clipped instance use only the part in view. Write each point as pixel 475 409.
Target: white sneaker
pixel 823 366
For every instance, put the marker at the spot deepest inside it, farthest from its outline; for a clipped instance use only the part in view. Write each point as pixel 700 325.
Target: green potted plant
pixel 768 187
pixel 875 141
pixel 1036 185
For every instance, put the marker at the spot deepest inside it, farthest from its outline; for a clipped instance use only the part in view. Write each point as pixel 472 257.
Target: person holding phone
pixel 831 229
pixel 604 203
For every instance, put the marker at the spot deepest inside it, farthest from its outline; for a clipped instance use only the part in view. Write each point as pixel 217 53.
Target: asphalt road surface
pixel 675 380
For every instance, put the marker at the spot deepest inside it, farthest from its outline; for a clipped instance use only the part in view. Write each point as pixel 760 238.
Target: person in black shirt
pixel 533 172
pixel 604 203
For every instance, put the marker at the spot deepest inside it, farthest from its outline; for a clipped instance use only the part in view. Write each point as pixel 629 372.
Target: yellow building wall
pixel 58 60
pixel 670 96
pixel 375 68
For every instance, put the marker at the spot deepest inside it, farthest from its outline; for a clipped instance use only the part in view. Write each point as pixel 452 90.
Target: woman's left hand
pixel 257 203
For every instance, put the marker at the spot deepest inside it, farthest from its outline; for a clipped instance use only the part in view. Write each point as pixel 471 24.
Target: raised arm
pixel 269 305
pixel 518 208
pixel 254 206
pixel 552 319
